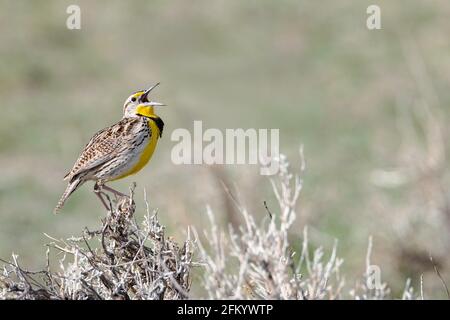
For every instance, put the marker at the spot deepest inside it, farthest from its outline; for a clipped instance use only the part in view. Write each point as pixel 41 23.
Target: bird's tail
pixel 73 185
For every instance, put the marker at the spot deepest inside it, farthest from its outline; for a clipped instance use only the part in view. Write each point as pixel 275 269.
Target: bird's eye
pixel 133 99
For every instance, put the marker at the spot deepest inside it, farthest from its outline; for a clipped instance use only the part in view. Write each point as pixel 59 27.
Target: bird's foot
pixel 123 202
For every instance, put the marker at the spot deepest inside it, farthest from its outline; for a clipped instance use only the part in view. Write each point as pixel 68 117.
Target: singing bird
pixel 119 150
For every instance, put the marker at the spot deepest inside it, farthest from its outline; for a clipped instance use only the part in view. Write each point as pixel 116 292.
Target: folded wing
pixel 102 147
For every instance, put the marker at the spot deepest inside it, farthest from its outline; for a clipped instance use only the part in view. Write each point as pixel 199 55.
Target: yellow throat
pixel 150 148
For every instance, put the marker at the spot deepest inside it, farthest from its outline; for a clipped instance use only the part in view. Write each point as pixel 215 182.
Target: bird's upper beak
pixel 144 97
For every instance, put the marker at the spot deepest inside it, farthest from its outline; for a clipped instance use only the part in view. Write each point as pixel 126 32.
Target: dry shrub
pixel 255 261
pixel 131 262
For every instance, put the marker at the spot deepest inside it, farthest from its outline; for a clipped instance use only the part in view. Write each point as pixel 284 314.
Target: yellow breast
pixel 147 153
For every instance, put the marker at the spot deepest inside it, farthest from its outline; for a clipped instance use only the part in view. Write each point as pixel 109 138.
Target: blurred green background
pixel 310 68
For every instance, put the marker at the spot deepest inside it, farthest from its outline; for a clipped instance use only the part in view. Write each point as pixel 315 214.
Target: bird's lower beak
pixel 155 104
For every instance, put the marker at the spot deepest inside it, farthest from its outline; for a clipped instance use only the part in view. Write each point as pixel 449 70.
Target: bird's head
pixel 138 104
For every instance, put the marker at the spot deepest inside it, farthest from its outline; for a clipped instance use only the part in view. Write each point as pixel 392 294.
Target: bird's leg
pixel 114 191
pixel 99 193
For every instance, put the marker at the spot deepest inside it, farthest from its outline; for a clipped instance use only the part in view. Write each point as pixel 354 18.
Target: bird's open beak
pixel 144 97
pixel 155 104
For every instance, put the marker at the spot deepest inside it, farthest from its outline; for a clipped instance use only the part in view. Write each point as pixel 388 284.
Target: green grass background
pixel 310 68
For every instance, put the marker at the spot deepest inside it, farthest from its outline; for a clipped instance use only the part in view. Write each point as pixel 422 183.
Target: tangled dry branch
pixel 130 261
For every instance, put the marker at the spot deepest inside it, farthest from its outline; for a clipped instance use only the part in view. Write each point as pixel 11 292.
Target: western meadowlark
pixel 119 150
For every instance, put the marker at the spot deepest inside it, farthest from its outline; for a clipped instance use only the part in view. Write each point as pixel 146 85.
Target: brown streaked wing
pixel 102 147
